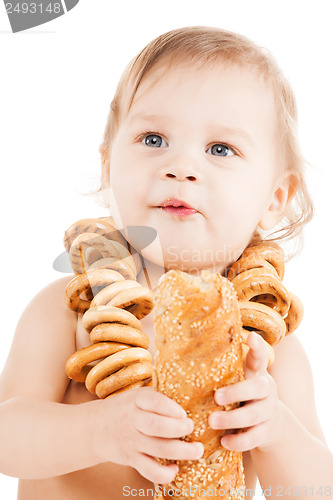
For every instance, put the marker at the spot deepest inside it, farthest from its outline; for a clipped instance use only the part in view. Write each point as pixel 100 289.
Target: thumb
pixel 257 357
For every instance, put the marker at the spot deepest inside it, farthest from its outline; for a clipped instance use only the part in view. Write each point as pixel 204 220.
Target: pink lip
pixel 177 207
pixel 173 202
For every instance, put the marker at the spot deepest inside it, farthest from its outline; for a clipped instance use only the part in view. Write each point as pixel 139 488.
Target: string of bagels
pixel 106 292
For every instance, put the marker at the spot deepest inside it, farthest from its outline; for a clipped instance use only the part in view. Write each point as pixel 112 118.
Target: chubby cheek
pixel 234 215
pixel 124 198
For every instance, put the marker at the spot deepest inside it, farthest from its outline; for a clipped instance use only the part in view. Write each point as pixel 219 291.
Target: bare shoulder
pixel 292 373
pixel 290 355
pixel 43 340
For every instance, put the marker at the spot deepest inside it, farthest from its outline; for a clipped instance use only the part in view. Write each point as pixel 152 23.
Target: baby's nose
pixel 189 177
pixel 181 169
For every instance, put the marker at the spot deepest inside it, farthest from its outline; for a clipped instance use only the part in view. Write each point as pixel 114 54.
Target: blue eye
pixel 153 141
pixel 221 150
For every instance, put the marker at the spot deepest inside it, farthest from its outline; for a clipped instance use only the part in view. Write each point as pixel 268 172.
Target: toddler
pixel 200 144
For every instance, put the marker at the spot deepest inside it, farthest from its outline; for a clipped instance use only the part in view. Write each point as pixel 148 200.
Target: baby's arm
pixel 300 462
pixel 41 437
pixel 279 422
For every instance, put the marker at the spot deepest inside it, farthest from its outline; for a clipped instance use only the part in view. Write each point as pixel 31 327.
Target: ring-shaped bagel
pixel 272 254
pixel 134 260
pixel 104 226
pixel 263 318
pixel 109 292
pixel 138 300
pixel 77 364
pixel 97 245
pixel 266 298
pixel 124 378
pixel 250 262
pixel 116 251
pixel 120 265
pixel 85 282
pixel 113 363
pixel 142 383
pixel 108 314
pixel 295 314
pixel 117 332
pixel 260 281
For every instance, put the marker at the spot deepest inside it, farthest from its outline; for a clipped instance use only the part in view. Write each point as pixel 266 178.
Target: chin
pixel 197 267
pixel 182 259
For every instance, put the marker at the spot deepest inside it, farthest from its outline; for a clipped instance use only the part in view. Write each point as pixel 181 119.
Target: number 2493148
pixel 33 8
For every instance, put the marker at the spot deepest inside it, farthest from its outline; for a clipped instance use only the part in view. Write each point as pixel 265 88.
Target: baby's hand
pixel 260 418
pixel 140 424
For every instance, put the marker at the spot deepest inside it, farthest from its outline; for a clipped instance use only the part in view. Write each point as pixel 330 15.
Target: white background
pixel 57 81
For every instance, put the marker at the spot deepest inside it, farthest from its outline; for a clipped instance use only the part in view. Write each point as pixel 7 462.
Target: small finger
pixel 173 449
pixel 153 424
pixel 149 399
pixel 257 357
pixel 152 470
pixel 247 440
pixel 246 390
pixel 253 413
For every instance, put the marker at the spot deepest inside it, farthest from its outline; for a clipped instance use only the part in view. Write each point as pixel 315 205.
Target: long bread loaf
pixel 198 349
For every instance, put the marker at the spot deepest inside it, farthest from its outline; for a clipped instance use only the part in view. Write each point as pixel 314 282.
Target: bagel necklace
pixel 106 291
pixel 112 308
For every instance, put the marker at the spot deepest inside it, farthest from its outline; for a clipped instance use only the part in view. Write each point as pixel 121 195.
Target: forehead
pixel 220 92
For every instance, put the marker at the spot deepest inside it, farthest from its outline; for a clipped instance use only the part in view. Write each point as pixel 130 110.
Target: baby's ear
pixel 281 197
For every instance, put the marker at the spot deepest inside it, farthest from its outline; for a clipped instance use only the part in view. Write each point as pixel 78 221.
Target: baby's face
pixel 208 139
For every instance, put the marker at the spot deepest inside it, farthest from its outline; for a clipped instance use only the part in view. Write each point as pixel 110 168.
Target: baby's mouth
pixel 177 207
pixel 179 211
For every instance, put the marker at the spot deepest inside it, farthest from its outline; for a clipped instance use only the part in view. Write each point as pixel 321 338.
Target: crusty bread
pixel 198 349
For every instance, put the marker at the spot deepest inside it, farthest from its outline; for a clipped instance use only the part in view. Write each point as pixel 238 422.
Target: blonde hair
pixel 206 45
